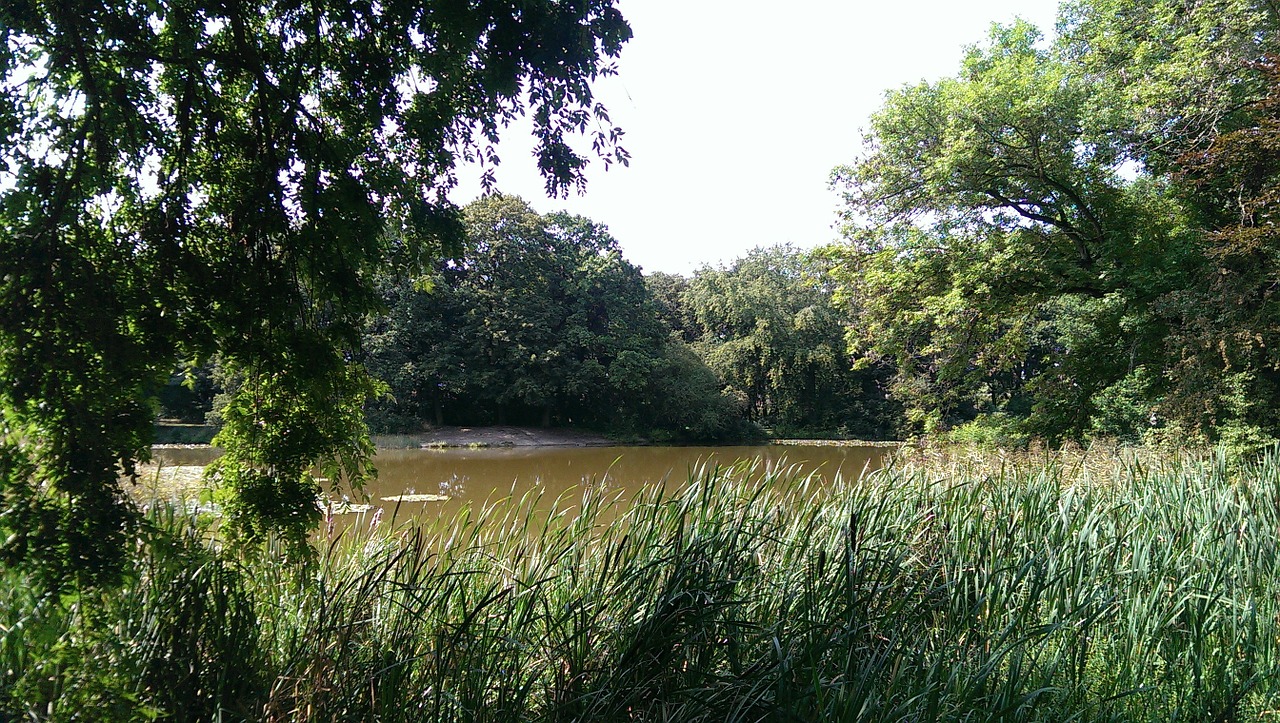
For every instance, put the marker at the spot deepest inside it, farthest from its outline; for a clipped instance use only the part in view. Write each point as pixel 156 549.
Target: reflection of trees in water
pixel 478 475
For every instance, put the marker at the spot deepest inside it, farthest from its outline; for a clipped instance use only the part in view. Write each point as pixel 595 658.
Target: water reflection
pixel 442 481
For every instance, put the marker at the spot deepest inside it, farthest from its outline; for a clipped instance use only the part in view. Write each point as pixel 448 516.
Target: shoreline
pixel 497 436
pixel 452 437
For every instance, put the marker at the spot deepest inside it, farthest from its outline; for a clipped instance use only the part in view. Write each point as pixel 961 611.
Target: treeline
pixel 1076 238
pixel 540 321
pixel 1069 239
pixel 770 327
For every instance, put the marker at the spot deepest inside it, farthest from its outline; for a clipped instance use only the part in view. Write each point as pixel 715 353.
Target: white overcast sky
pixel 736 112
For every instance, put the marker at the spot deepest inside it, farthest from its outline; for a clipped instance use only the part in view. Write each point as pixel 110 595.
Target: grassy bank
pixel 945 590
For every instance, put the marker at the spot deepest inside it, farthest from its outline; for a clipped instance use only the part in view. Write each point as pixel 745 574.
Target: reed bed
pixel 935 589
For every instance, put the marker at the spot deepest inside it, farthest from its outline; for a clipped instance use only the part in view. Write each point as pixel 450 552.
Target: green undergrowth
pixel 980 592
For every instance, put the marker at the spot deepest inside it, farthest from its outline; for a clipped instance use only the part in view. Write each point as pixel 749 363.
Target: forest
pixel 1066 240
pixel 1056 281
pixel 1076 238
pixel 540 321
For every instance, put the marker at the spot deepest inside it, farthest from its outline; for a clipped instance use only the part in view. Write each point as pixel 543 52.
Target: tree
pixel 540 321
pixel 184 178
pixel 561 324
pixel 668 292
pixel 770 330
pixel 685 401
pixel 1169 74
pixel 1225 370
pixel 1026 237
pixel 1009 264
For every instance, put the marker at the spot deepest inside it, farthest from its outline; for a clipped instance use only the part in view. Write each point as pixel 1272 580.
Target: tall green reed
pixel 938 590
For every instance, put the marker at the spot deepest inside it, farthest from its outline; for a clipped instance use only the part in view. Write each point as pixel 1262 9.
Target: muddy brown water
pixel 454 477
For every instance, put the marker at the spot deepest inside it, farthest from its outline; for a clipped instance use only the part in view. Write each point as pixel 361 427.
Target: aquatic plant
pixel 1014 590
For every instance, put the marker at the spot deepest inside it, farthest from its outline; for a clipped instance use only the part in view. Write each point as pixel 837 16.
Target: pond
pixel 443 480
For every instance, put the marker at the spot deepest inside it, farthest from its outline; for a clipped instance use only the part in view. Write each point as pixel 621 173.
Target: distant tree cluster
pixel 767 324
pixel 539 321
pixel 1077 238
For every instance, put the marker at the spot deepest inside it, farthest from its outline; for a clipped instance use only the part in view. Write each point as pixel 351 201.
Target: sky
pixel 735 113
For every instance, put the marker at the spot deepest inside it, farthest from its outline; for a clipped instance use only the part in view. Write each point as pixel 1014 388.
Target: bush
pixel 989 431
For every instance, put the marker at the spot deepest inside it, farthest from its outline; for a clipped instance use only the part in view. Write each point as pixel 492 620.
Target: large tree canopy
pixel 1035 236
pixel 188 177
pixel 767 325
pixel 541 321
